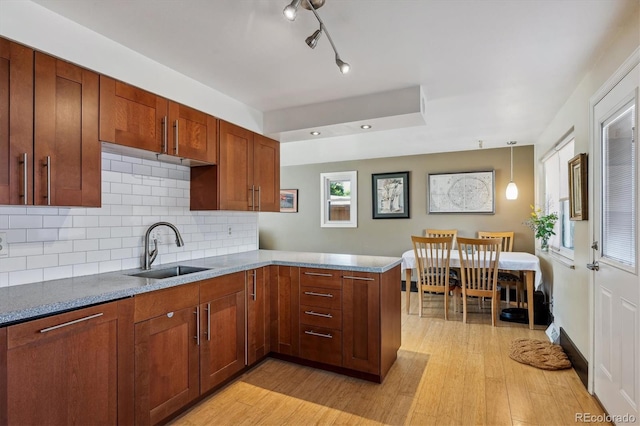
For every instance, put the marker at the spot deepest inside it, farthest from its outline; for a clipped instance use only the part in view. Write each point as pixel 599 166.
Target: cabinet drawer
pixel 321 317
pixel 61 324
pixel 156 303
pixel 321 297
pixel 321 344
pixel 325 278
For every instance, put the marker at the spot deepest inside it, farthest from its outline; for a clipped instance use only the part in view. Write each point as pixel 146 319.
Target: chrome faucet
pixel 150 257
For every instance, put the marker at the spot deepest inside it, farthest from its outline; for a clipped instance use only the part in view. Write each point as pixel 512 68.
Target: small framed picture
pixel 390 194
pixel 578 209
pixel 289 201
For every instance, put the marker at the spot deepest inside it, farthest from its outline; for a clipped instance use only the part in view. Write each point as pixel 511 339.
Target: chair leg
pixel 446 305
pixel 420 299
pixel 464 308
pixel 494 310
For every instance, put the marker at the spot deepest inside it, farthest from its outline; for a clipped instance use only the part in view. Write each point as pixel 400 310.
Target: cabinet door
pixel 236 168
pixel 166 365
pixel 66 147
pixel 258 314
pixel 222 325
pixel 133 117
pixel 16 123
pixel 64 369
pixel 266 173
pixel 361 321
pixel 285 305
pixel 194 134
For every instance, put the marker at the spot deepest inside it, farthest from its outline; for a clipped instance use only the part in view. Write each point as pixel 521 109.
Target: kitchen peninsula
pixel 172 341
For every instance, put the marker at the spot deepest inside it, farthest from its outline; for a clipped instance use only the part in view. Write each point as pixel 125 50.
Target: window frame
pixel 325 199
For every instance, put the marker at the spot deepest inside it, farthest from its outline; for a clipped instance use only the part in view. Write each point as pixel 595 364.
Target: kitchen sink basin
pixel 174 271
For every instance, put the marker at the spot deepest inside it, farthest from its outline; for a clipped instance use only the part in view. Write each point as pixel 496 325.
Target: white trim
pixel 325 222
pixel 565 139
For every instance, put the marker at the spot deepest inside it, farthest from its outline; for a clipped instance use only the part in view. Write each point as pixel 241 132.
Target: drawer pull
pixel 197 336
pixel 313 293
pixel 318 274
pixel 55 327
pixel 313 333
pixel 349 277
pixel 318 314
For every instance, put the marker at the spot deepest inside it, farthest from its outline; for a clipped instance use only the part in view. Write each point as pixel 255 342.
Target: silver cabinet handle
pixel 318 314
pixel 349 277
pixel 25 192
pixel 259 199
pixel 313 293
pixel 253 197
pixel 48 166
pixel 313 333
pixel 197 314
pixel 317 274
pixel 55 327
pixel 209 321
pixel 175 126
pixel 165 137
pixel 255 273
pixel 595 266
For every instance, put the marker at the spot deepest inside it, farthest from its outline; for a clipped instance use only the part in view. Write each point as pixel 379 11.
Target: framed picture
pixel 289 201
pixel 466 192
pixel 390 194
pixel 578 209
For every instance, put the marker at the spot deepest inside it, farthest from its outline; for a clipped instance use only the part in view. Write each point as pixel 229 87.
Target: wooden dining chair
pixel 432 263
pixel 507 278
pixel 437 233
pixel 479 259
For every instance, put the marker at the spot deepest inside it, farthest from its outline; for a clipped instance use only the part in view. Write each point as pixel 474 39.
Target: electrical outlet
pixel 229 230
pixel 4 246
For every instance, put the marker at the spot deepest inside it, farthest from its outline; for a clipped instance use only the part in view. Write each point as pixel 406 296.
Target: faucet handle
pixel 154 252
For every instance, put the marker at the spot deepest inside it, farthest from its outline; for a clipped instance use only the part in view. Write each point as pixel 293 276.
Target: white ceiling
pixel 491 70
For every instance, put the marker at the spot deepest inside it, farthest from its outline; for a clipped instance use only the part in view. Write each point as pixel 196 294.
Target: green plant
pixel 542 224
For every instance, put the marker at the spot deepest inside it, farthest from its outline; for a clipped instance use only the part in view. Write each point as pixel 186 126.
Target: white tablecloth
pixel 512 261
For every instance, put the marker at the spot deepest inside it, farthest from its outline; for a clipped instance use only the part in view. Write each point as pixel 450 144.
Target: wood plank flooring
pixel 447 373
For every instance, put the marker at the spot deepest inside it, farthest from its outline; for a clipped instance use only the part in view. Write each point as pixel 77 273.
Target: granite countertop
pixel 27 301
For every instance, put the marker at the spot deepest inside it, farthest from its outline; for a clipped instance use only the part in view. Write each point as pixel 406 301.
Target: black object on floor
pixel 519 315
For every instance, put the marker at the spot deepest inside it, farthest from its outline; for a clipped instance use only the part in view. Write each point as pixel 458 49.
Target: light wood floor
pixel 446 373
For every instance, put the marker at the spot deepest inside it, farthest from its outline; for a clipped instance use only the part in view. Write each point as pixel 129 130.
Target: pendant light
pixel 512 189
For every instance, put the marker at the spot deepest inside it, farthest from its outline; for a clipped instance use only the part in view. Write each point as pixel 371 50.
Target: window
pixel 339 192
pixel 556 176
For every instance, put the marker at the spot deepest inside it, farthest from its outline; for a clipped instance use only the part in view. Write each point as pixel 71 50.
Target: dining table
pixel 528 263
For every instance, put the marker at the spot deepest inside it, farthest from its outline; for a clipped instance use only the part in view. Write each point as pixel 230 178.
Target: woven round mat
pixel 539 354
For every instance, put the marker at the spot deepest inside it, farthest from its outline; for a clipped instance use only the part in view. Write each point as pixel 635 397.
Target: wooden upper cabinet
pixel 194 134
pixel 136 118
pixel 235 171
pixel 248 170
pixel 16 123
pixel 133 117
pixel 266 173
pixel 66 146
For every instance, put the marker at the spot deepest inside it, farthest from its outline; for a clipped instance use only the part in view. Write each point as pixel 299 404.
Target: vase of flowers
pixel 542 225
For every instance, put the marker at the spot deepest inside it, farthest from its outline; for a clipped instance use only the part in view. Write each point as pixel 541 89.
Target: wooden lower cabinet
pixel 71 368
pixel 285 302
pixel 258 314
pixel 222 325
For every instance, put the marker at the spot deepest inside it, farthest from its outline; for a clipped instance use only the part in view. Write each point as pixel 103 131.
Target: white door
pixel 615 267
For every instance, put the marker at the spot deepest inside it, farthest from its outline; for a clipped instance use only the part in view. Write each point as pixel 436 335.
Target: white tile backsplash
pixel 47 243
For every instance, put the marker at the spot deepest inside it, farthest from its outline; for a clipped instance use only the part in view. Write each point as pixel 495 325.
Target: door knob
pixel 593 266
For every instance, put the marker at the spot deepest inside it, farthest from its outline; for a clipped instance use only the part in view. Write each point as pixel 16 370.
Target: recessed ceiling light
pixel 314 133
pixel 365 126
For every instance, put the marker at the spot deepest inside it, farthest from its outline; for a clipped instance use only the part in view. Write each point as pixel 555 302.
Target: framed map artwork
pixel 467 192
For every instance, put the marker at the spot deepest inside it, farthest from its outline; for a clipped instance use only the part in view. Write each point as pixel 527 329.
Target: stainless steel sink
pixel 174 271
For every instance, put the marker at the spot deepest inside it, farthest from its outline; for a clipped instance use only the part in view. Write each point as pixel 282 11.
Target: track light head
pixel 344 67
pixel 312 40
pixel 291 10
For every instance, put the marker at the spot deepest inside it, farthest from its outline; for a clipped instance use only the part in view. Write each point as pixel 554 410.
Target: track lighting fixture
pixel 312 40
pixel 290 12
